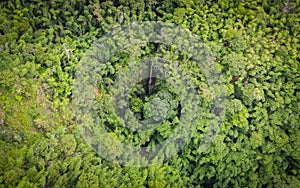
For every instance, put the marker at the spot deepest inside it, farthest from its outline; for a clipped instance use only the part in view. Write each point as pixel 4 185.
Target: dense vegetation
pixel 255 45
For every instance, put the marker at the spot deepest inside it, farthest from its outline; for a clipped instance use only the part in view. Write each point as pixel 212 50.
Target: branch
pixel 150 79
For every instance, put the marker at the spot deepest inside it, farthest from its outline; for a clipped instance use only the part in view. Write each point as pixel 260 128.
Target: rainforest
pixel 148 93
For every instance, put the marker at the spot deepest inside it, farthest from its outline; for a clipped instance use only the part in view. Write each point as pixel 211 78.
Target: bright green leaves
pixel 229 89
pixel 87 180
pixel 256 140
pixel 220 148
pixel 179 12
pixel 279 137
pixel 240 119
pixel 68 145
pixel 164 176
pixel 136 105
pixel 238 113
pixel 258 94
pixel 236 63
pixel 251 93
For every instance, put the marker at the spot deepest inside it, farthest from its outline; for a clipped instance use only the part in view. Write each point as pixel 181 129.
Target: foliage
pixel 255 43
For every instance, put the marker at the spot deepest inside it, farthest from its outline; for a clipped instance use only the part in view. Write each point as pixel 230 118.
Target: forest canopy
pixel 227 119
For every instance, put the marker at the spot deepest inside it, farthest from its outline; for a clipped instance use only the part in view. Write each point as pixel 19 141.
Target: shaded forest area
pixel 255 43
